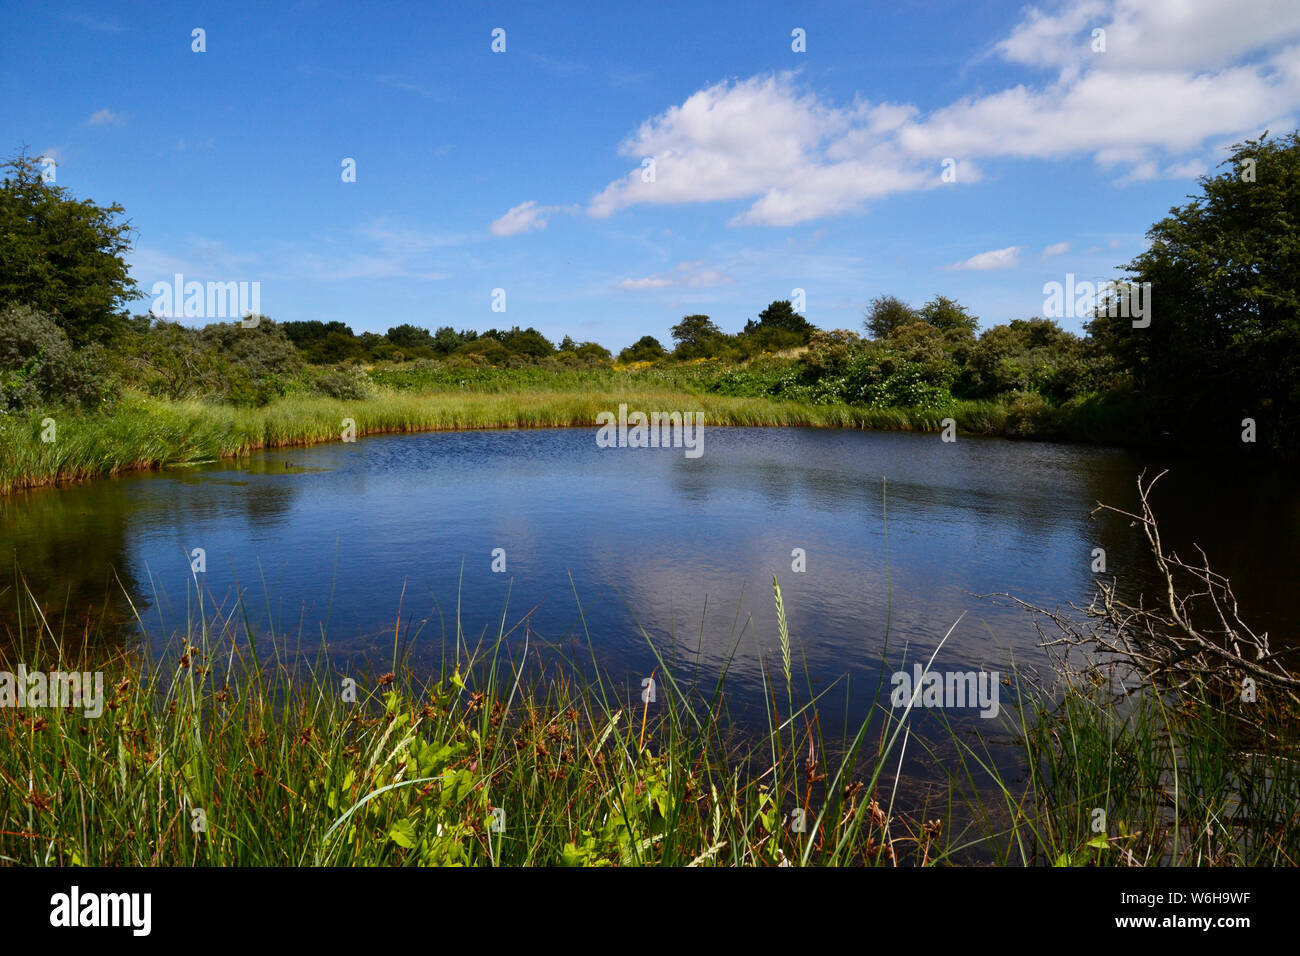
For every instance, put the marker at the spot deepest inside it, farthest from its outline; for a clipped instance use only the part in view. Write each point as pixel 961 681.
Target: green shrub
pixel 1029 415
pixel 39 366
pixel 345 383
pixel 645 349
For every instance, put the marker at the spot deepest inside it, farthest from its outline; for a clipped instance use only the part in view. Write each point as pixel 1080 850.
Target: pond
pixel 880 541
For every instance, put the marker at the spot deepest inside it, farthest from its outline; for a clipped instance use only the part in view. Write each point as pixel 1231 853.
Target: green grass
pixel 1193 777
pixel 141 433
pixel 228 748
pixel 206 754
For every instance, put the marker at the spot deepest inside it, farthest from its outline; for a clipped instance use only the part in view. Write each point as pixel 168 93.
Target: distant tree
pixel 887 313
pixel 645 349
pixel 446 341
pixel 568 345
pixel 782 316
pixel 375 346
pixel 304 334
pixel 334 347
pixel 485 349
pixel 528 342
pixel 407 336
pixel 62 256
pixel 947 315
pixel 592 352
pixel 694 330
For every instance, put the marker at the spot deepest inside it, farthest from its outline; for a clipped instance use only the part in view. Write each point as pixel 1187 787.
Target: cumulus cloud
pixel 1007 258
pixel 1056 249
pixel 1151 35
pixel 762 139
pixel 1175 75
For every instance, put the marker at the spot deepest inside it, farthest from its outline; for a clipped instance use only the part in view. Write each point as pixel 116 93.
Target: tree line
pixel 1222 348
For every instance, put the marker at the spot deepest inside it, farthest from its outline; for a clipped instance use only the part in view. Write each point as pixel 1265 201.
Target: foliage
pixel 62 256
pixel 40 368
pixel 947 315
pixel 887 313
pixel 221 362
pixel 696 336
pixel 350 382
pixel 781 316
pixel 1223 342
pixel 645 349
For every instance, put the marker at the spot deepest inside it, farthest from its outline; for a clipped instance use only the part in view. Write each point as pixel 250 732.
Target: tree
pixel 528 342
pixel 694 330
pixel 645 349
pixel 592 352
pixel 1026 355
pixel 446 341
pixel 407 336
pixel 947 315
pixel 62 256
pixel 1223 339
pixel 887 313
pixel 781 315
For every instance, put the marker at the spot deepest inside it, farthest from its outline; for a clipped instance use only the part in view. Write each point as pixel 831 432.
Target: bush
pixel 259 361
pixel 829 352
pixel 484 351
pixel 349 383
pixel 39 366
pixel 645 349
pixel 1030 416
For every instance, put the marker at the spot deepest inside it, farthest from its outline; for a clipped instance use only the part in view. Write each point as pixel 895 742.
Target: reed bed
pixel 142 433
pixel 229 748
pixel 224 749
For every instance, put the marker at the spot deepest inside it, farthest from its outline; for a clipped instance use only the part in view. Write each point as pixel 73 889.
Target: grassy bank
pixel 224 750
pixel 141 433
pixel 205 754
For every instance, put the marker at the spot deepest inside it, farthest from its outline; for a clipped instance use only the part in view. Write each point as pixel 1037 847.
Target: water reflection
pixel 899 531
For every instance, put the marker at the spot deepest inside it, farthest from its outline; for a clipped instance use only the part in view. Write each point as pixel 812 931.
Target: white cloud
pixel 687 275
pixel 105 117
pixel 1007 258
pixel 763 140
pixel 649 282
pixel 525 217
pixel 1176 75
pixel 1152 35
pixel 1056 249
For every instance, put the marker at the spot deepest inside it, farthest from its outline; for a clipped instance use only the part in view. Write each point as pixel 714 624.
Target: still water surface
pixel 900 532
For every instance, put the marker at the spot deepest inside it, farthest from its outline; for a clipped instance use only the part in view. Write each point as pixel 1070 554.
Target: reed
pixel 143 433
pixel 224 748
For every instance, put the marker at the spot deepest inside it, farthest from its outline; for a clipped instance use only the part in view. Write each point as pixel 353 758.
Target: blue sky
pixel 522 170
